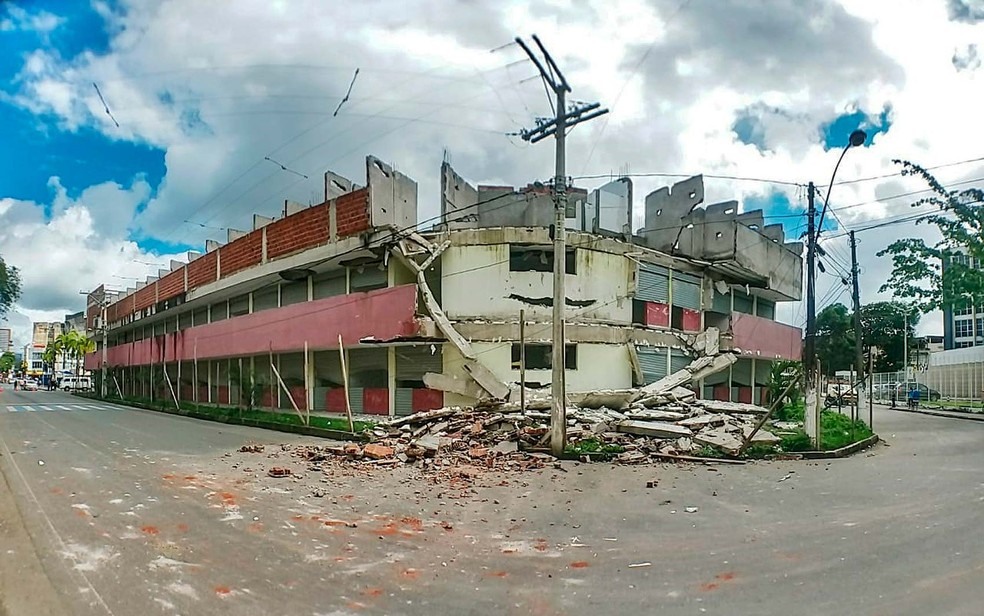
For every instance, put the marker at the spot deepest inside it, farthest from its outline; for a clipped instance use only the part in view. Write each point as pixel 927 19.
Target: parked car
pixel 29 385
pixel 926 393
pixel 75 383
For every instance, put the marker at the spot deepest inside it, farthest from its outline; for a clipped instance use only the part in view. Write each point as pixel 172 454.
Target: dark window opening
pixel 538 259
pixel 638 312
pixel 539 356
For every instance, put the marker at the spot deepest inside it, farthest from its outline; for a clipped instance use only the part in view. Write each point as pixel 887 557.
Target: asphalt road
pixel 134 512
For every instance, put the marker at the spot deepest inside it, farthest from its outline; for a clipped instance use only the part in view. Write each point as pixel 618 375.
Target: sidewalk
pixel 937 413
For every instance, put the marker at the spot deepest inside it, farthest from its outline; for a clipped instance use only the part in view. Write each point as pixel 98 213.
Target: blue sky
pixel 37 146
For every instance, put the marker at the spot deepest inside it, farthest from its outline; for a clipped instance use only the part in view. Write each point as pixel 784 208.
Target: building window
pixel 766 309
pixel 964 328
pixel 963 345
pixel 266 299
pixel 328 284
pixel 294 292
pixel 538 259
pixel 960 311
pixel 219 312
pixel 538 356
pixel 238 306
pixel 367 277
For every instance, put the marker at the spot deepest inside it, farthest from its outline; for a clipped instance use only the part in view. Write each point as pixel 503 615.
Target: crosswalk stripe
pixel 21 408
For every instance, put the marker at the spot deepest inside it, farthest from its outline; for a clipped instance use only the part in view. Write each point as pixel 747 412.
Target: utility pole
pixel 812 410
pixel 905 352
pixel 558 126
pixel 858 353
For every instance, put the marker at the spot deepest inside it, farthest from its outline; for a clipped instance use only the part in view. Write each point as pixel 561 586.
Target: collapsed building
pixel 350 301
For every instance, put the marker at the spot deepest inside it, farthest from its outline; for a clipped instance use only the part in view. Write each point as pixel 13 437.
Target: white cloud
pixel 17 18
pixel 219 89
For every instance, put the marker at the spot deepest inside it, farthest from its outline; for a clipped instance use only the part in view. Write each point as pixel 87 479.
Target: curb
pixel 948 415
pixel 843 452
pixel 338 435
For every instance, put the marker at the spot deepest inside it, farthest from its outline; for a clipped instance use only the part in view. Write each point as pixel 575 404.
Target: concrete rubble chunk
pixel 378 452
pixel 618 400
pixel 721 406
pixel 655 415
pixel 656 429
pixel 719 439
pixel 700 421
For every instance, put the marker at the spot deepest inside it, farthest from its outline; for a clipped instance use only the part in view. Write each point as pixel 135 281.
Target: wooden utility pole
pixel 558 126
pixel 522 361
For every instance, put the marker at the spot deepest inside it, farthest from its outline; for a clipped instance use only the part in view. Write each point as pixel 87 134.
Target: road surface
pixel 136 512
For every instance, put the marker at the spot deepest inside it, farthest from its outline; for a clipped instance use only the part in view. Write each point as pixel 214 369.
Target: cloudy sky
pixel 202 93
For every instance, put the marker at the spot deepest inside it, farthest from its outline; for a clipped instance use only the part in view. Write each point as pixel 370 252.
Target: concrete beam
pixel 192 255
pixel 261 221
pixel 482 331
pixel 234 234
pixel 211 245
pixel 175 264
pixel 293 207
pixel 336 185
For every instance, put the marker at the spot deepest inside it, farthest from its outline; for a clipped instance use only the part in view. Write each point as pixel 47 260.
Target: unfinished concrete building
pixel 430 318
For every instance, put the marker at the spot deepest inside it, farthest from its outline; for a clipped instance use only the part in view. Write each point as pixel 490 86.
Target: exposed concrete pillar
pixel 391 378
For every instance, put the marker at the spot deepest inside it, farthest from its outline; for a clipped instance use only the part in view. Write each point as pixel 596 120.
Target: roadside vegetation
pixel 222 413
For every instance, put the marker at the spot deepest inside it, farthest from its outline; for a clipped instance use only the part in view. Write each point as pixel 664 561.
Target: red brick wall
pixel 297 232
pixel 202 270
pixel 171 285
pixel 145 297
pixel 241 253
pixel 352 212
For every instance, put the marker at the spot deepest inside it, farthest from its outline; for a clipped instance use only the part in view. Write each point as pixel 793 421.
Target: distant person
pixel 895 395
pixel 914 398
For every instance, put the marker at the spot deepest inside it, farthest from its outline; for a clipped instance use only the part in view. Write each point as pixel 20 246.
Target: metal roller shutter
pixel 403 401
pixel 721 303
pixel 654 284
pixel 686 291
pixel 743 303
pixel 412 362
pixel 679 361
pixel 653 363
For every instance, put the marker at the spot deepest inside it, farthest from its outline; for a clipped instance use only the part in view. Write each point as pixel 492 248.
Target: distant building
pixel 75 322
pixel 6 340
pixel 43 333
pixel 963 324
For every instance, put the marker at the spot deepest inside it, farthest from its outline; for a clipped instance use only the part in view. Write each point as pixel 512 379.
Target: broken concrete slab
pixel 655 415
pixel 378 452
pixel 617 400
pixel 721 406
pixel 700 421
pixel 656 429
pixel 720 439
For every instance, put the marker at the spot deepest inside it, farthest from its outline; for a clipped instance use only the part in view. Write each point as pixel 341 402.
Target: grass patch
pixel 791 412
pixel 708 452
pixel 224 412
pixel 596 448
pixel 838 430
pixel 836 433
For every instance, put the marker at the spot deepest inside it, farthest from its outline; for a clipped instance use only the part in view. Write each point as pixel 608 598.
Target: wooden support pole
pixel 522 361
pixel 345 381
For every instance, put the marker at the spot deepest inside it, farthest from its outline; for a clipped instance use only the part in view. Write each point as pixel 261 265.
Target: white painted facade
pixel 476 282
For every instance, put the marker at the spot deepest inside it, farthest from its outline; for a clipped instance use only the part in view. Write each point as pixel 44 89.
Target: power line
pixel 899 173
pixel 687 175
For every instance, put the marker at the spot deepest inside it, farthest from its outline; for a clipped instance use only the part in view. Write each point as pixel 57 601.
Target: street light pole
pixel 812 419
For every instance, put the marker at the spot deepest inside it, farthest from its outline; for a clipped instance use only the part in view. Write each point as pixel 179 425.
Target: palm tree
pixel 50 355
pixel 76 345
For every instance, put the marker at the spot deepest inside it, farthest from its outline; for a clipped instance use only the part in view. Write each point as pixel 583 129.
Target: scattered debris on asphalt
pixel 661 421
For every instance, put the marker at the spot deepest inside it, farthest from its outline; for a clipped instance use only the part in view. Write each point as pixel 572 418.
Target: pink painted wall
pixel 381 314
pixel 758 337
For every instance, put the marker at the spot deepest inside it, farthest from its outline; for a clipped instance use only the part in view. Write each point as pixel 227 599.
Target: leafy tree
pixel 883 326
pixel 10 286
pixel 928 275
pixel 835 339
pixel 7 361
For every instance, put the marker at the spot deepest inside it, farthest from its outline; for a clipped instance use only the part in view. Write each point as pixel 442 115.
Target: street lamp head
pixel 858 138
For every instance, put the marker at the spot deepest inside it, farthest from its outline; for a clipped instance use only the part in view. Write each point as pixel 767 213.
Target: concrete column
pixel 755 400
pixel 391 378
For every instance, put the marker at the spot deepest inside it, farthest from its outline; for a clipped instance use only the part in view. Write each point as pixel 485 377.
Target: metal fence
pixel 957 381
